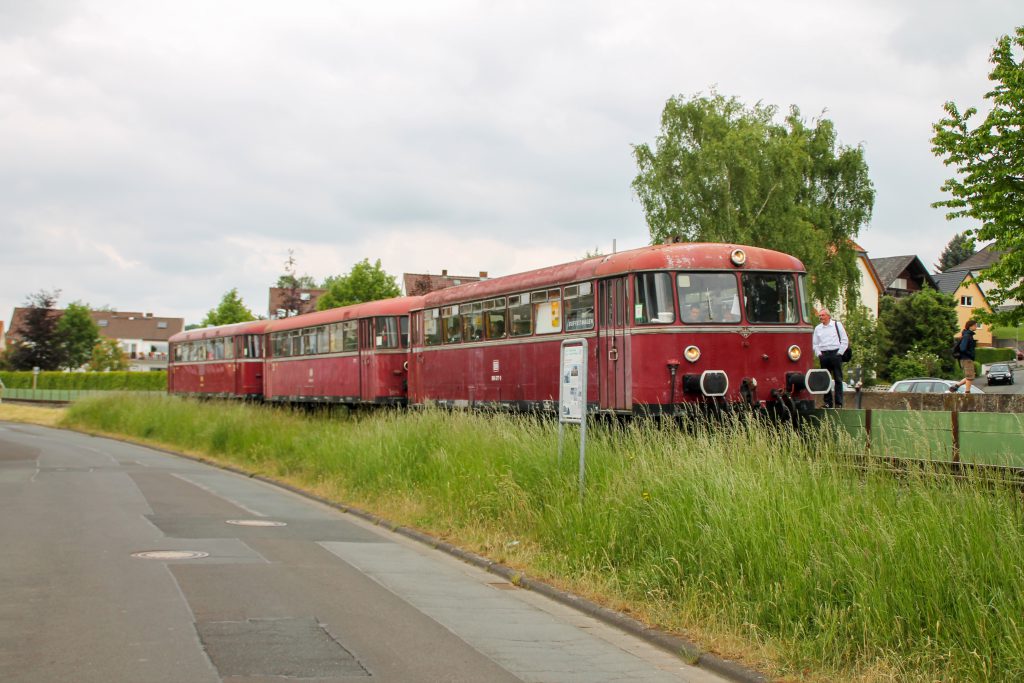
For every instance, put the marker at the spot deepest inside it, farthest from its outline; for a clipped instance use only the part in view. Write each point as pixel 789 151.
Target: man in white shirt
pixel 830 342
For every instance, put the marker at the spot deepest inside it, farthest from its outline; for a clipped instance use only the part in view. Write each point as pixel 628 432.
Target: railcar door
pixel 367 361
pixel 611 351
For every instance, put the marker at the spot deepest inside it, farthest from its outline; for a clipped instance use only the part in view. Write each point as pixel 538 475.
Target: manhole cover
pixel 255 522
pixel 171 555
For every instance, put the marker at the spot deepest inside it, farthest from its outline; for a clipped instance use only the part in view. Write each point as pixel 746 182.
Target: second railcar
pixel 353 354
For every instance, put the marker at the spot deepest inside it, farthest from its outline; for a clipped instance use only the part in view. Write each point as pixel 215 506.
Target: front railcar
pixel 723 332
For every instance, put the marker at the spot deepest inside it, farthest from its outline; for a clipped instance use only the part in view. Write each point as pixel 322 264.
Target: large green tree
pixel 920 326
pixel 723 172
pixel 231 309
pixel 958 249
pixel 989 181
pixel 78 334
pixel 365 282
pixel 40 344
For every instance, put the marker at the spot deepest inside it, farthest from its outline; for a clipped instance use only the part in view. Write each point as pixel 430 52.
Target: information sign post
pixel 572 397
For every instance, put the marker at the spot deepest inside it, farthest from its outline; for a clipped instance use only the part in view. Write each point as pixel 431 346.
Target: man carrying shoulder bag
pixel 830 346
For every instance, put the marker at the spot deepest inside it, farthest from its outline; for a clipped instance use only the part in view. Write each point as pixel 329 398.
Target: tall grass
pixel 742 533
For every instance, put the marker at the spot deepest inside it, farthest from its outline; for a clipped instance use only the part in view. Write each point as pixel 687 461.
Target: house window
pixel 899 283
pixel 967 301
pixel 103 323
pixel 161 325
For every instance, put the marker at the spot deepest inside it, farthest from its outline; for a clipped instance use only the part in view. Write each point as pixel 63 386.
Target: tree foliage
pixel 989 181
pixel 957 250
pixel 365 282
pixel 40 345
pixel 916 326
pixel 722 172
pixel 231 309
pixel 107 355
pixel 78 334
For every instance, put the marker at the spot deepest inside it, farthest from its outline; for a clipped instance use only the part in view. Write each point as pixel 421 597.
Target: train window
pixel 321 340
pixel 547 311
pixel 350 335
pixel 217 349
pixel 294 343
pixel 520 315
pixel 252 346
pixel 579 307
pixel 472 322
pixel 432 327
pixel 708 298
pixel 403 331
pixel 229 348
pixel 652 299
pixel 770 297
pixel 451 324
pixel 386 332
pixel 805 301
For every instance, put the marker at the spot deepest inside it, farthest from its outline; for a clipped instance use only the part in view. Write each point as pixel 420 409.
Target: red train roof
pixel 251 327
pixel 680 256
pixel 398 306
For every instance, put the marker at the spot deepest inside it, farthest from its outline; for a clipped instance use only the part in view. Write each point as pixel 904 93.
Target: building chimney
pixel 444 273
pixel 483 274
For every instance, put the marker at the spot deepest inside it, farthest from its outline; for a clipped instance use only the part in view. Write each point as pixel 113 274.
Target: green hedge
pixel 987 355
pixel 129 381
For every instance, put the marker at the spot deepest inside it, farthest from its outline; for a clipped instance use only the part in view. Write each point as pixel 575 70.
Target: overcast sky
pixel 153 155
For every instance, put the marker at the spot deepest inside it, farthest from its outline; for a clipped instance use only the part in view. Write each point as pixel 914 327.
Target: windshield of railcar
pixel 652 299
pixel 708 298
pixel 770 298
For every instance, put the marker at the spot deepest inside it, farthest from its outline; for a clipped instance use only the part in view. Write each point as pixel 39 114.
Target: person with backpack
pixel 964 352
pixel 830 343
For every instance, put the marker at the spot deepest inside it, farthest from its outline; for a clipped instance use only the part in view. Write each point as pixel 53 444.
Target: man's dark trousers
pixel 833 362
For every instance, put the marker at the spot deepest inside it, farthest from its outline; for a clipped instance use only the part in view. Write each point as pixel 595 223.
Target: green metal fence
pixel 66 395
pixel 966 437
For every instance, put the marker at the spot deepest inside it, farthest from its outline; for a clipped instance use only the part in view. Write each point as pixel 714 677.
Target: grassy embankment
pixel 758 543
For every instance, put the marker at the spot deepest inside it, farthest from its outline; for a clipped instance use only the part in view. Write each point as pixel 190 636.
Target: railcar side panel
pixel 330 378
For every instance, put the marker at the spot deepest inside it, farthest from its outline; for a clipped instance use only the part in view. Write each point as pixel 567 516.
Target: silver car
pixel 929 385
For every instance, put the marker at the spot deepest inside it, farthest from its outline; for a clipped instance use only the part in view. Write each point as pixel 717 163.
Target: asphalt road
pixel 279 588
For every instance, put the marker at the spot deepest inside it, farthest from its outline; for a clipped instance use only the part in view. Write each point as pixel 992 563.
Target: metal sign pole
pixel 572 397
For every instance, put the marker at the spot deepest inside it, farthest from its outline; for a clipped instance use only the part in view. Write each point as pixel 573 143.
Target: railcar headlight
pixel 738 257
pixel 692 354
pixel 794 353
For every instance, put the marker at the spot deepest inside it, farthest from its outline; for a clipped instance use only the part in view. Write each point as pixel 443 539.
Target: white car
pixel 929 385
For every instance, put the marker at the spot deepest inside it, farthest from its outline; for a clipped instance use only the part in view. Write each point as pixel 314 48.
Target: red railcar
pixel 225 361
pixel 354 354
pixel 665 325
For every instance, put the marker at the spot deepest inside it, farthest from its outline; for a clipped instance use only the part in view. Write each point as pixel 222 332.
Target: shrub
pixel 987 355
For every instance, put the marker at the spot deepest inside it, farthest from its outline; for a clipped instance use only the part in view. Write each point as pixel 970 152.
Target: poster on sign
pixel 572 398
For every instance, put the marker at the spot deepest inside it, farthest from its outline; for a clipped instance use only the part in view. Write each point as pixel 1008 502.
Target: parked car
pixel 928 385
pixel 999 373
